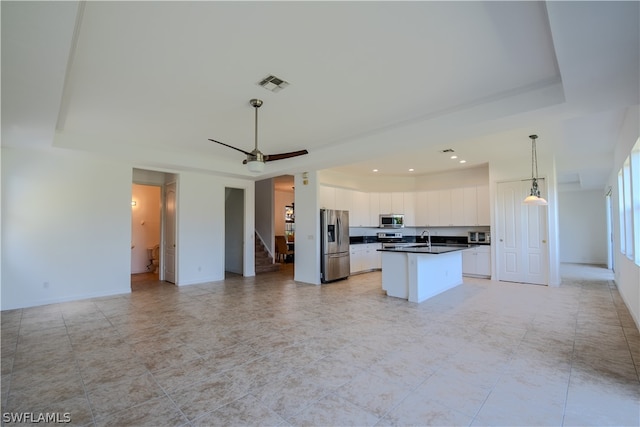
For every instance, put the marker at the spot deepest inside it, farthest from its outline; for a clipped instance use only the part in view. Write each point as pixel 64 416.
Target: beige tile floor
pixel 269 351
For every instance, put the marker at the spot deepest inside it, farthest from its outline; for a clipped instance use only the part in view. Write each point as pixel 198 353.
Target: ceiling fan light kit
pixel 255 159
pixel 534 197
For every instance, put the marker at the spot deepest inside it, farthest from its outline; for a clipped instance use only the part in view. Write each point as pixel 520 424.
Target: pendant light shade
pixel 534 197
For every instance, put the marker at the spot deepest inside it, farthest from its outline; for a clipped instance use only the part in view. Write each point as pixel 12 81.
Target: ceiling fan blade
pixel 230 146
pixel 271 157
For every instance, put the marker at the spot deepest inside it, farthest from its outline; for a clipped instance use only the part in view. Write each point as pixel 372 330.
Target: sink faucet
pixel 428 237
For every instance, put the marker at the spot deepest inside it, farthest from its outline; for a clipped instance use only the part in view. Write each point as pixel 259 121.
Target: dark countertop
pixel 435 240
pixel 424 249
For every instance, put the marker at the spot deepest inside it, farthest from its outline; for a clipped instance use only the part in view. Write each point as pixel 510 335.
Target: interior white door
pixel 170 233
pixel 522 248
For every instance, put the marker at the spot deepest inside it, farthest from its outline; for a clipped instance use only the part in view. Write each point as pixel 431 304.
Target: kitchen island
pixel 419 272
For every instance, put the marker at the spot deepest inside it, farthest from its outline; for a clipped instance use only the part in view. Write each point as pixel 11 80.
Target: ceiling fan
pixel 255 159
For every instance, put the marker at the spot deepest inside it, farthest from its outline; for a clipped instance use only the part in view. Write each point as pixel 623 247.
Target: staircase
pixel 264 261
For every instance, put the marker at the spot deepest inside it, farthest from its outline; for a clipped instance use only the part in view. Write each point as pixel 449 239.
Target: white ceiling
pixel 381 85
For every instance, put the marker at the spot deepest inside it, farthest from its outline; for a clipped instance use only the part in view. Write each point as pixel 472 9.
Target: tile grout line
pixel 573 355
pixel 612 285
pixel 13 361
pixel 77 364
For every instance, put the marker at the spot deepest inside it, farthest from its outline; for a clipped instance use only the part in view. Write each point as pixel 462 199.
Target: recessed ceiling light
pixel 453 157
pixel 375 170
pixel 463 161
pixel 411 170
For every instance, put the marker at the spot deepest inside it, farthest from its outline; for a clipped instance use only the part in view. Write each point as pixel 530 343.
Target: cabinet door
pixel 385 203
pixel 483 263
pixel 470 206
pixel 327 197
pixel 377 257
pixel 374 209
pixel 359 214
pixel 483 208
pixel 397 203
pixel 457 206
pixel 444 208
pixel 433 212
pixel 469 258
pixel 343 199
pixel 355 258
pixel 409 209
pixel 421 208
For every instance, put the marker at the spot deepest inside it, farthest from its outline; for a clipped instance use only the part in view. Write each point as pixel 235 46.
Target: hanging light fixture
pixel 534 197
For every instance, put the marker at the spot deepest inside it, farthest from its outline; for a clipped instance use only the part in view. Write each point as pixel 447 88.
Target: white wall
pixel 66 227
pixel 627 273
pixel 307 259
pixel 583 227
pixel 201 225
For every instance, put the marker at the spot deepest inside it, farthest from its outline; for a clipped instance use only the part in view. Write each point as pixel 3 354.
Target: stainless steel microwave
pixel 391 221
pixel 479 237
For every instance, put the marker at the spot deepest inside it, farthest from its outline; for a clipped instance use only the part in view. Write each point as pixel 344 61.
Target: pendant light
pixel 534 197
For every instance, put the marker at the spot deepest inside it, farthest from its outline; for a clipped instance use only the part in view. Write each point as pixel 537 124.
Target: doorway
pixel 522 250
pixel 153 228
pixel 234 230
pixel 146 202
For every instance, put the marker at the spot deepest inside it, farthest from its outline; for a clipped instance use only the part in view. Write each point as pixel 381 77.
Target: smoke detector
pixel 273 83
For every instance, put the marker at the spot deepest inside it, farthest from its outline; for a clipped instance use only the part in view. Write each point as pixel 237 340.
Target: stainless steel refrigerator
pixel 334 229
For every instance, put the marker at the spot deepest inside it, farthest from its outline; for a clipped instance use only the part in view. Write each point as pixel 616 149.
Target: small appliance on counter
pixel 391 221
pixel 479 237
pixel 334 245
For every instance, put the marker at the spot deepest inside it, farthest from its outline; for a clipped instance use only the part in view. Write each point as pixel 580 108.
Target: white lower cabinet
pixel 477 261
pixel 365 257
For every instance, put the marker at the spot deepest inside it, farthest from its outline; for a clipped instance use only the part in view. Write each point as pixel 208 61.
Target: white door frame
pixel 529 260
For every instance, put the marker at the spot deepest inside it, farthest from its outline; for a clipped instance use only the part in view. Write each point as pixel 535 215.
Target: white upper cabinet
pixel 374 209
pixel 457 206
pixel 470 206
pixel 444 208
pixel 343 199
pixel 397 203
pixel 484 208
pixel 409 200
pixel 385 203
pixel 359 213
pixel 421 207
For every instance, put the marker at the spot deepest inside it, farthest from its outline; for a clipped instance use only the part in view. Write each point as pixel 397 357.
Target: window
pixel 635 197
pixel 622 234
pixel 628 218
pixel 629 204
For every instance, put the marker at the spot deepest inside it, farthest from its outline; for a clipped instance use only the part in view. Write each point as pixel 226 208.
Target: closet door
pixel 521 246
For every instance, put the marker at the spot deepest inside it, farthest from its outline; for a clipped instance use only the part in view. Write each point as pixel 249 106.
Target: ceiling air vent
pixel 447 150
pixel 273 83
